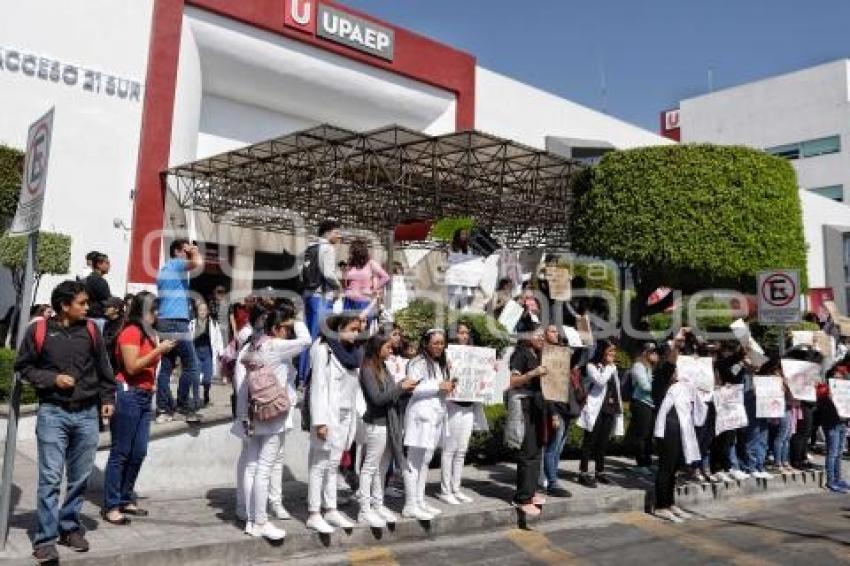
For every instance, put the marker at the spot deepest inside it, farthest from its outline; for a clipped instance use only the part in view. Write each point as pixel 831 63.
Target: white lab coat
pixel 596 396
pixel 691 410
pixel 425 417
pixel 216 341
pixel 332 387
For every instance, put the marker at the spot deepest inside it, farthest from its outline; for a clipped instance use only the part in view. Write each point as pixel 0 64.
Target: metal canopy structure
pixel 374 180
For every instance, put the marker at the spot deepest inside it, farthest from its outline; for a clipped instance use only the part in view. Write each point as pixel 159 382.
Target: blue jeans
pixel 316 309
pixel 67 442
pixel 758 432
pixel 552 452
pixel 130 428
pixel 176 329
pixel 782 442
pixel 205 362
pixel 835 438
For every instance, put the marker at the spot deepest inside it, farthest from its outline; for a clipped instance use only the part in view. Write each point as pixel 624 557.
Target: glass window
pixel 788 151
pixel 821 146
pixel 835 192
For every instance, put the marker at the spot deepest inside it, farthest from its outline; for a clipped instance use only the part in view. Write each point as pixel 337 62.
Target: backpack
pixel 267 399
pixel 41 334
pixel 578 385
pixel 311 269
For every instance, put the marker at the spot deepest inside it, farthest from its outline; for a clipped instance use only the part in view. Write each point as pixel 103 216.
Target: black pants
pixel 705 434
pixel 640 433
pixel 669 453
pixel 800 439
pixel 596 441
pixel 528 460
pixel 720 447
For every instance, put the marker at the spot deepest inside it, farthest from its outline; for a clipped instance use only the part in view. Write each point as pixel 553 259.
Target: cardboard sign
pixel 802 378
pixel 464 270
pixel 474 369
pixel 770 396
pixel 511 313
pixel 839 392
pixel 556 383
pixel 560 283
pixel 729 404
pixel 699 372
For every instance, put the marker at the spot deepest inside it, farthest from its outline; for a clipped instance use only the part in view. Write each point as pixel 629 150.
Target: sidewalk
pixel 188 528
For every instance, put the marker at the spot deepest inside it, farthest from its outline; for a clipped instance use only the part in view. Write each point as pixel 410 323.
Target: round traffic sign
pixel 778 290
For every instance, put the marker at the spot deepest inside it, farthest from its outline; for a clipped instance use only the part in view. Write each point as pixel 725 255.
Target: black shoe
pixel 76 540
pixel 603 479
pixel 135 511
pixel 587 480
pixel 46 553
pixel 558 492
pixel 104 514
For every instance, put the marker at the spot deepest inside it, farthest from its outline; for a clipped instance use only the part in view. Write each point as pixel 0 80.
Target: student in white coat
pixel 602 414
pixel 334 391
pixel 681 411
pixel 424 421
pixel 462 418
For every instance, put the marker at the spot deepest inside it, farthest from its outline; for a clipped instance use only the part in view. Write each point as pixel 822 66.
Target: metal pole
pixel 15 396
pixel 781 340
pixel 388 294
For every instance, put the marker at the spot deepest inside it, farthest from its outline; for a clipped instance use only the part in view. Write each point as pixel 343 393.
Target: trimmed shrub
pixel 421 315
pixel 7 363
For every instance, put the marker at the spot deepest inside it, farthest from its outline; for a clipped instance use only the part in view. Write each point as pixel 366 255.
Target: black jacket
pixel 67 350
pixel 98 291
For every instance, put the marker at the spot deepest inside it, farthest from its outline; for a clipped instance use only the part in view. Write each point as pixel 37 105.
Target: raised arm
pixel 287 349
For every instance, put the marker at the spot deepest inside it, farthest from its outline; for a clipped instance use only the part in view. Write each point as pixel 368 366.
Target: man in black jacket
pixel 67 364
pixel 98 289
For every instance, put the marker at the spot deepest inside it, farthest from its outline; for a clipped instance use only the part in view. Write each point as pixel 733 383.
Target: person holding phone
pixel 138 351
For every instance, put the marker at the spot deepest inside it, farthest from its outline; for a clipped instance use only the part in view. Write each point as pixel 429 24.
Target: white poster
pixel 699 372
pixel 839 392
pixel 400 297
pixel 474 369
pixel 729 404
pixel 511 313
pixel 770 396
pixel 501 382
pixel 464 270
pixel 802 378
pixel 803 338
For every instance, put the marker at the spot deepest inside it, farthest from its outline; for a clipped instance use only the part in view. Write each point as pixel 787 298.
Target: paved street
pixel 810 530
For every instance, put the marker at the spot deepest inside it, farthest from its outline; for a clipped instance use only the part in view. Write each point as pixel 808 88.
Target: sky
pixel 631 58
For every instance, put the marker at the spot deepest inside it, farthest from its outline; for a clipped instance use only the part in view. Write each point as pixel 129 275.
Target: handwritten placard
pixel 699 372
pixel 556 383
pixel 729 404
pixel 464 270
pixel 770 396
pixel 474 369
pixel 511 313
pixel 839 392
pixel 802 378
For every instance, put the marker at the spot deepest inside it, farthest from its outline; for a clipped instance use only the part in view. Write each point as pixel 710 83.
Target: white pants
pixel 455 444
pixel 376 461
pixel 323 462
pixel 416 475
pixel 260 453
pixel 276 480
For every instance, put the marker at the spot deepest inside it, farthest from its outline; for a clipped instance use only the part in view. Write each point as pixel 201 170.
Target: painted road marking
pixel 686 535
pixel 373 556
pixel 536 545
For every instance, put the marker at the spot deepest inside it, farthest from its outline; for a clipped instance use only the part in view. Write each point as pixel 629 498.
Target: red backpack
pixel 41 333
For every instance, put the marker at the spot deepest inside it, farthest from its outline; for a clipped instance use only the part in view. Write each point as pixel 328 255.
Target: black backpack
pixel 311 270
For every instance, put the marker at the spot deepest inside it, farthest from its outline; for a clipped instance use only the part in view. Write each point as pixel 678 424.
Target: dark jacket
pixel 382 408
pixel 98 291
pixel 67 350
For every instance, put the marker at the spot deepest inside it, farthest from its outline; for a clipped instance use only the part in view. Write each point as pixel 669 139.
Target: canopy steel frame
pixel 374 180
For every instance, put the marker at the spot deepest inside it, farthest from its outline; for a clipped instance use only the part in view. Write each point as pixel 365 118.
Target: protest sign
pixel 802 338
pixel 839 392
pixel 824 344
pixel 729 404
pixel 770 397
pixel 399 298
pixel 560 288
pixel 474 370
pixel 555 384
pixel 699 372
pixel 464 270
pixel 501 382
pixel 802 378
pixel 511 313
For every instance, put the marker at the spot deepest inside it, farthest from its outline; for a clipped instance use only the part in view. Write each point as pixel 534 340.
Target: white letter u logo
pixel 300 11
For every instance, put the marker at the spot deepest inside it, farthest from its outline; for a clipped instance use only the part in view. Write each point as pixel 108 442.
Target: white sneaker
pixel 280 512
pixel 249 528
pixel 448 498
pixel 725 477
pixel 462 497
pixel 679 512
pixel 416 513
pixel 163 418
pixel 385 514
pixel 714 478
pixel 316 522
pixel 739 475
pixel 668 515
pixel 269 531
pixel 433 511
pixel 337 519
pixel 371 518
pixel 762 476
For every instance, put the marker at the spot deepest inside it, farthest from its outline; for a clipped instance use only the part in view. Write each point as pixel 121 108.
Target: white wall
pixel 508 108
pixel 96 137
pixel 818 212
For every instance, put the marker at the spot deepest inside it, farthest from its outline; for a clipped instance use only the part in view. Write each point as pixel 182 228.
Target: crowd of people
pixel 368 396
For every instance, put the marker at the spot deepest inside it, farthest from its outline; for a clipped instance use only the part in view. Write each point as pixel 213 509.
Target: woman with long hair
pixel 365 280
pixel 424 420
pixel 334 390
pixel 383 429
pixel 138 352
pixel 208 347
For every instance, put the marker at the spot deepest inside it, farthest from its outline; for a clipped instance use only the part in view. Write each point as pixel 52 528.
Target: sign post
pixel 779 300
pixel 27 221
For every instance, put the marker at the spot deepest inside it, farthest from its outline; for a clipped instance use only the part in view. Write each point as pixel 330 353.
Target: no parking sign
pixel 779 296
pixel 31 202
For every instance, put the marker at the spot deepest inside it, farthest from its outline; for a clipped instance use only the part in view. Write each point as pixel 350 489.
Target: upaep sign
pixel 339 26
pixel 779 296
pixel 31 201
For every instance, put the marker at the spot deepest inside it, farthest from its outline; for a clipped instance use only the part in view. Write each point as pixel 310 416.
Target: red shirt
pixel 146 378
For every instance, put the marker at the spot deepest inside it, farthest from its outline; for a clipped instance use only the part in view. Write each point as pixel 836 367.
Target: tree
pixel 11 168
pixel 690 217
pixel 53 256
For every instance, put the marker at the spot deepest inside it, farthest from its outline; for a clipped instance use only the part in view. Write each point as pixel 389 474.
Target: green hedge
pixel 11 169
pixel 421 315
pixel 7 363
